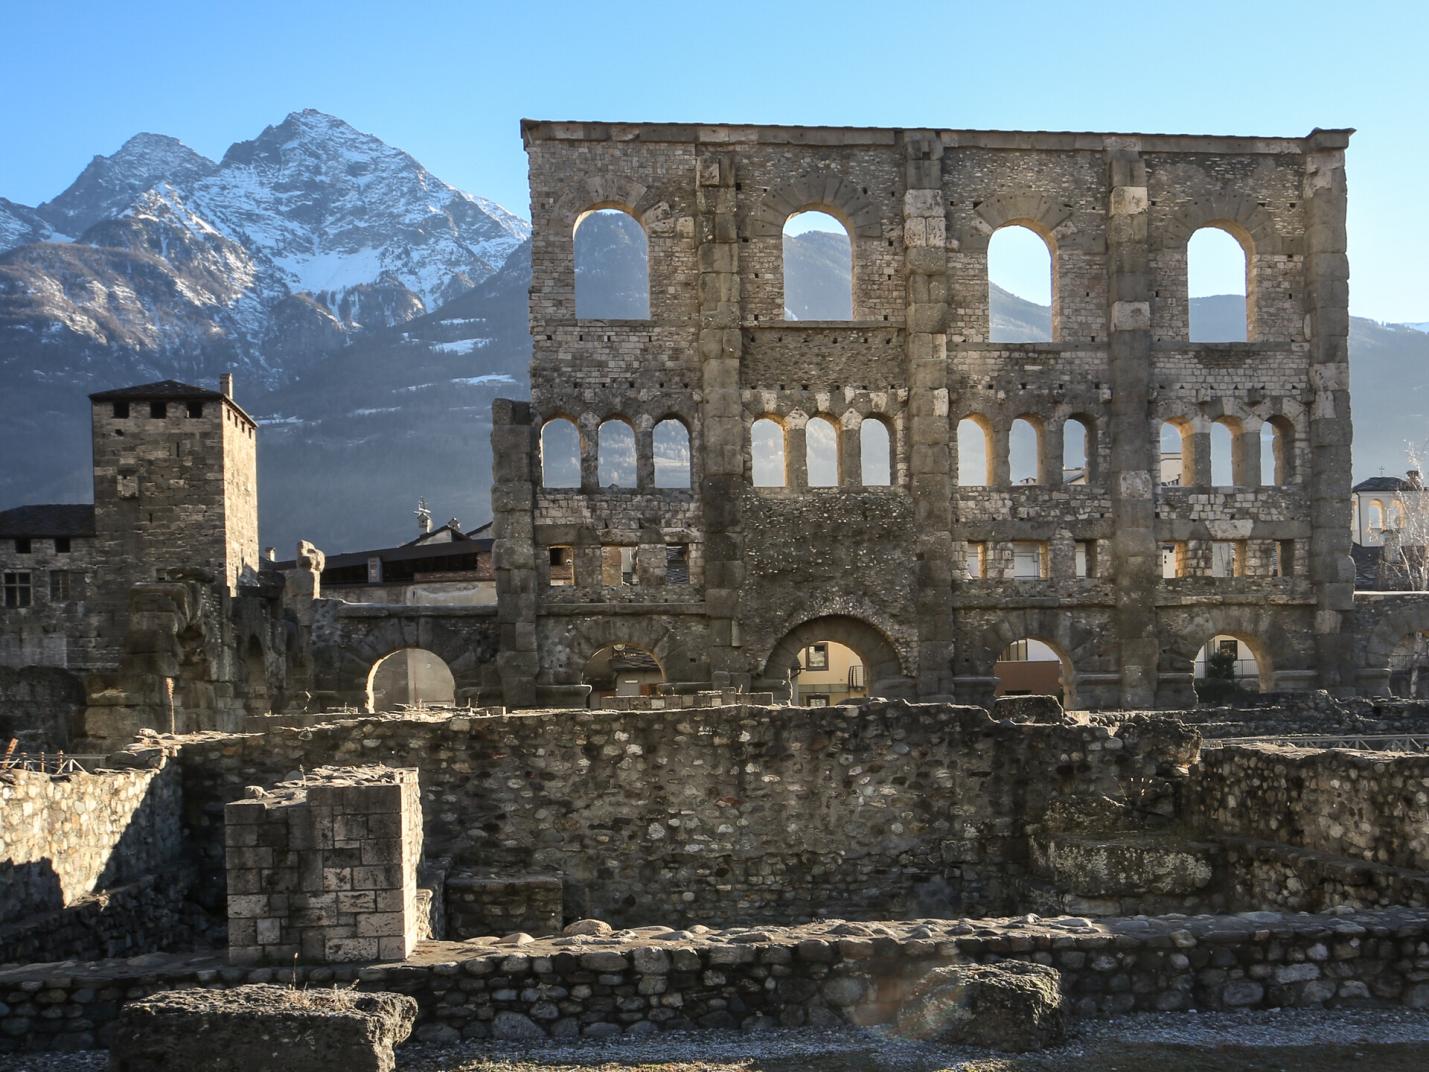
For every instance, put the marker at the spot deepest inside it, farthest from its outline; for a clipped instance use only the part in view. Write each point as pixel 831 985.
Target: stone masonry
pixel 882 568
pixel 326 869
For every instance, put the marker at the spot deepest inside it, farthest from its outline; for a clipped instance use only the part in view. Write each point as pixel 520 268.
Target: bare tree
pixel 1405 561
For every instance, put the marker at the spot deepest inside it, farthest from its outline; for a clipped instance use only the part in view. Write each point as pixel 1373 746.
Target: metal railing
pixel 52 763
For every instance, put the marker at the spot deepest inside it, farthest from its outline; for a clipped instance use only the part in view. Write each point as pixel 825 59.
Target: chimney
pixel 225 385
pixel 1415 480
pixel 270 554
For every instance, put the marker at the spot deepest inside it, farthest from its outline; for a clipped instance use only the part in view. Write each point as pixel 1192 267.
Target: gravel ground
pixel 1302 1040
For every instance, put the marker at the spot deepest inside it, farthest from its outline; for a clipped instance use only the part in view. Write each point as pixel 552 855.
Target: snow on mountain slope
pixel 109 183
pixel 20 224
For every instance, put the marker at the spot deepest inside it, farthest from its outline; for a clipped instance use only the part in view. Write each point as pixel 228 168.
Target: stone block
pixel 1011 1006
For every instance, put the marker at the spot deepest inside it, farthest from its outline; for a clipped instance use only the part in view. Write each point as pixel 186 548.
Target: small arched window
pixel 766 451
pixel 1021 284
pixel 612 262
pixel 616 456
pixel 1225 473
pixel 974 453
pixel 1078 451
pixel 876 453
pixel 1217 272
pixel 1024 452
pixel 1376 515
pixel 671 442
pixel 1175 460
pixel 821 453
pixel 560 454
pixel 818 268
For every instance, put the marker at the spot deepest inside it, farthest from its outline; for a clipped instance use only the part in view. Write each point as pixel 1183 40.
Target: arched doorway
pixel 871 664
pixel 1227 665
pixel 621 670
pixel 409 677
pixel 1032 667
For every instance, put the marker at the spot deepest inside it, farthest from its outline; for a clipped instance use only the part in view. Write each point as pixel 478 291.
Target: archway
pixel 1032 667
pixel 621 669
pixel 612 266
pixel 409 677
pixel 880 671
pixel 818 267
pixel 1228 664
pixel 1217 278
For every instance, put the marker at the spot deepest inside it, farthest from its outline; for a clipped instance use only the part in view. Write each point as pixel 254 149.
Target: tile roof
pixel 50 519
pixel 161 389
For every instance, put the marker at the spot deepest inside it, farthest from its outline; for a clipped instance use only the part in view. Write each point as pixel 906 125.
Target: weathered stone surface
pixel 261 1029
pixel 1010 1006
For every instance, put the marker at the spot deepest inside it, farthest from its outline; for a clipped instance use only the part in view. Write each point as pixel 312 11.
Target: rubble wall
pixel 747 814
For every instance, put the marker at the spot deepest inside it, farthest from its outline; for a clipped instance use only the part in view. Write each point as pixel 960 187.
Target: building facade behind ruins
pixel 928 581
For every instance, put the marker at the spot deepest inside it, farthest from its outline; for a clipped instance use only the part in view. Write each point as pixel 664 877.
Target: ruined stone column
pixel 930 469
pixel 1327 280
pixel 1132 467
pixel 722 416
pixel 513 552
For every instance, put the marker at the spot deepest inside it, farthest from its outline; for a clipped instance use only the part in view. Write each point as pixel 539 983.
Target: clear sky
pixel 448 81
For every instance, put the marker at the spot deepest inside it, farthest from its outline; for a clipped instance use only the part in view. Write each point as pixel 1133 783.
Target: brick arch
pixel 1258 628
pixel 840 198
pixel 597 191
pixel 1239 215
pixel 1075 644
pixel 590 635
pixel 883 665
pixel 467 645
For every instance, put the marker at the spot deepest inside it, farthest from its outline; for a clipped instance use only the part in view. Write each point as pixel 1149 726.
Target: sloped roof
pixel 49 519
pixel 1383 483
pixel 161 389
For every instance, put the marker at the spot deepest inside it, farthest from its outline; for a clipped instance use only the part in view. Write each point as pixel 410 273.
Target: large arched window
pixel 1225 472
pixel 821 453
pixel 766 451
pixel 1217 270
pixel 409 677
pixel 616 457
pixel 818 268
pixel 612 257
pixel 876 450
pixel 1020 286
pixel 1078 451
pixel 1024 452
pixel 560 454
pixel 671 441
pixel 974 453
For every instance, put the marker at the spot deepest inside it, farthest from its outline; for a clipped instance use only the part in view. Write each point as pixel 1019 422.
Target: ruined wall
pixel 38 705
pixel 920 207
pixel 724 814
pixel 1369 806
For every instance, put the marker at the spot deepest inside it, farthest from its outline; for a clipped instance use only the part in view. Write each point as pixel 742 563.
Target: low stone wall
pixel 1370 806
pixel 725 815
pixel 478 905
pixel 66 837
pixel 814 975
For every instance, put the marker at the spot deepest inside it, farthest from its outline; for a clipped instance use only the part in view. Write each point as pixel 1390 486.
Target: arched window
pixel 616 454
pixel 1024 452
pixel 818 268
pixel 1078 451
pixel 1031 667
pixel 1217 270
pixel 1175 461
pixel 1395 517
pixel 409 676
pixel 672 454
pixel 1020 286
pixel 1376 516
pixel 1225 473
pixel 560 454
pixel 821 453
pixel 876 450
pixel 1277 452
pixel 766 451
pixel 612 258
pixel 1226 665
pixel 974 453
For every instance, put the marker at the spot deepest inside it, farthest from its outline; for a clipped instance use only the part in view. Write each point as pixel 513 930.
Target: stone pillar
pixel 1053 447
pixel 1327 275
pixel 645 456
pixel 325 872
pixel 851 455
pixel 930 469
pixel 722 432
pixel 513 553
pixel 1131 477
pixel 796 457
pixel 1245 463
pixel 999 459
pixel 1196 468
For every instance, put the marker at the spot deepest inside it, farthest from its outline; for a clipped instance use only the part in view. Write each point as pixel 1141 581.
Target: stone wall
pixel 1309 829
pixel 816 975
pixel 728 814
pixel 70 842
pixel 325 869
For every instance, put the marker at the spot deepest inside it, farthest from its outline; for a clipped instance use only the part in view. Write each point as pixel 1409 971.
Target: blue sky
pixel 449 81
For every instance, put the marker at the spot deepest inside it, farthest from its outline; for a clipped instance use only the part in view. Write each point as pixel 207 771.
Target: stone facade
pixel 882 568
pixel 325 869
